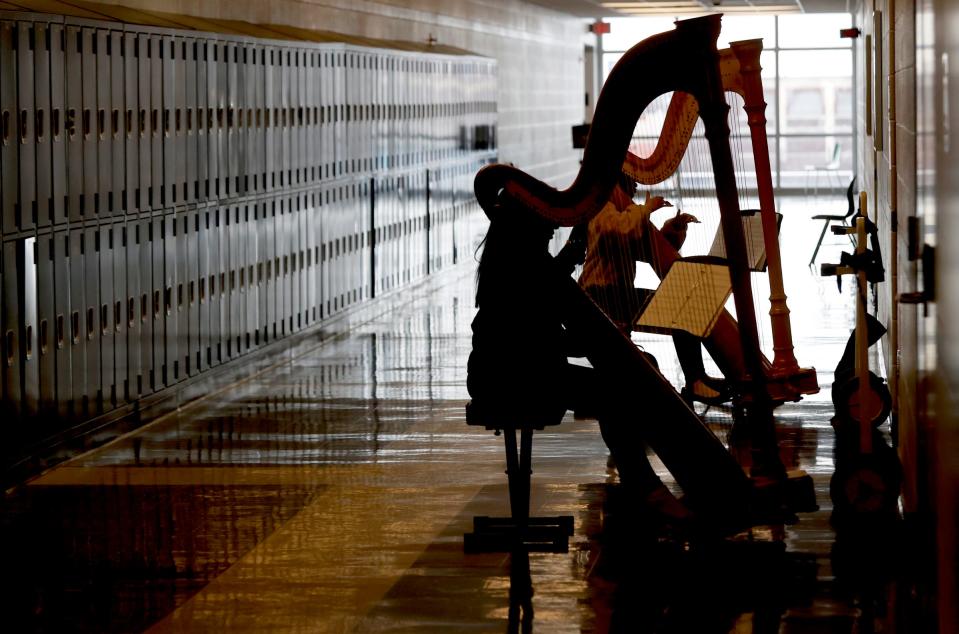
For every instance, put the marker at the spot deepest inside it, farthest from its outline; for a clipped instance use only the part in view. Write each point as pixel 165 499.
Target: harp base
pixel 791 385
pixel 794 494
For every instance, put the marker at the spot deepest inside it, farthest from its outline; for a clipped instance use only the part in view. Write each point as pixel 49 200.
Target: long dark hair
pixel 515 238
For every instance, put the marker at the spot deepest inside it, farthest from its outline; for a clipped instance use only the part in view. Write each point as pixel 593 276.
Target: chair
pixel 519 532
pixel 830 218
pixel 831 169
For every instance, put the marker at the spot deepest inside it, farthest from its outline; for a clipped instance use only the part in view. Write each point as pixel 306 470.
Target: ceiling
pixel 619 8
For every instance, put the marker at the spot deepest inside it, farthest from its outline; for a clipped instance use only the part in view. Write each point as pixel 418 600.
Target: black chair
pixel 830 218
pixel 519 532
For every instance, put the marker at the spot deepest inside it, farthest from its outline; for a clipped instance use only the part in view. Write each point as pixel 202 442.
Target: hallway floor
pixel 330 493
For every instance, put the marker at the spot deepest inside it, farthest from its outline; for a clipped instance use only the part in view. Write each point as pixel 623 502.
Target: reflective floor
pixel 331 493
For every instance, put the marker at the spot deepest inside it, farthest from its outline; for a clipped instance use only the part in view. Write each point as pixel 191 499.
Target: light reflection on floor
pixel 331 494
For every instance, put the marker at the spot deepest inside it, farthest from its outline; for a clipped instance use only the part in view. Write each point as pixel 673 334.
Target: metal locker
pixel 144 131
pixel 131 129
pixel 202 288
pixel 309 229
pixel 121 312
pixel 181 302
pixel 250 169
pixel 26 209
pixel 89 247
pixel 134 311
pixel 76 264
pixel 117 122
pixel 248 234
pixel 267 102
pixel 268 244
pixel 238 152
pixel 286 137
pixel 304 259
pixel 170 318
pixel 275 129
pixel 293 219
pixel 212 124
pixel 232 117
pixel 61 342
pixel 308 84
pixel 237 252
pixel 281 267
pixel 201 130
pixel 179 144
pixel 224 187
pixel 228 254
pixel 259 104
pixel 143 245
pixel 42 130
pixel 101 125
pixel 105 316
pixel 189 63
pixel 171 159
pixel 157 308
pixel 45 351
pixel 213 287
pixel 157 133
pixel 296 116
pixel 28 314
pixel 259 265
pixel 9 159
pixel 56 118
pixel 326 124
pixel 193 292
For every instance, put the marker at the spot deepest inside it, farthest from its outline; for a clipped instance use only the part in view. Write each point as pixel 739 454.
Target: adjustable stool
pixel 519 531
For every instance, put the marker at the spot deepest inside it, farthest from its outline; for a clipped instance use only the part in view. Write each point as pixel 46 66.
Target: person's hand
pixel 655 202
pixel 674 229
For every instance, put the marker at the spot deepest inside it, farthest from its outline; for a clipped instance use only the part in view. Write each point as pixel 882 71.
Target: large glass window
pixel 808 82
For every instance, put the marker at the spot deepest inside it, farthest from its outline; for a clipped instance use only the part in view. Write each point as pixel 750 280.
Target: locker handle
pixel 155 121
pixel 189 120
pixel 168 300
pixel 143 307
pixel 104 319
pixel 117 315
pixel 90 318
pixel 178 121
pixel 128 120
pixel 23 126
pixel 86 123
pixel 10 352
pixel 60 333
pixel 166 121
pixel 71 123
pixel 29 343
pixel 131 312
pixel 39 126
pixel 142 122
pixel 115 122
pixel 156 304
pixel 43 336
pixel 6 126
pixel 101 123
pixel 75 327
pixel 55 124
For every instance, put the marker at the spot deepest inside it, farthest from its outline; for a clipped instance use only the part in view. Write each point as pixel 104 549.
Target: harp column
pixel 784 364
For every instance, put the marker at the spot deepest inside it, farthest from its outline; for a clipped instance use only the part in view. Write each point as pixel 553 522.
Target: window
pixel 808 85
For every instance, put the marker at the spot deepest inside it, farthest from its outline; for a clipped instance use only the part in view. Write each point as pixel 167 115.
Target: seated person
pixel 616 239
pixel 518 364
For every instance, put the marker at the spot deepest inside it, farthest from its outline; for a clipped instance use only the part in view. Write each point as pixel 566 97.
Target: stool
pixel 519 531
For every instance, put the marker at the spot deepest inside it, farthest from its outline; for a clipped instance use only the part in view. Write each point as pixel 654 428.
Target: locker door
pixel 223 156
pixel 101 125
pixel 57 133
pixel 233 114
pixel 26 134
pixel 172 159
pixel 259 272
pixel 169 234
pixel 268 243
pixel 249 70
pixel 41 124
pixel 269 103
pixel 142 195
pixel 276 123
pixel 192 292
pixel 189 63
pixel 309 105
pixel 326 125
pixel 213 288
pixel 293 221
pixel 212 121
pixel 228 253
pixel 133 308
pixel 143 252
pixel 296 114
pixel 157 195
pixel 46 320
pixel 286 161
pixel 181 294
pixel 309 233
pixel 282 267
pixel 116 200
pixel 236 292
pixel 200 122
pixel 61 336
pixel 76 322
pixel 238 97
pixel 91 265
pixel 247 283
pixel 259 96
pixel 131 131
pixel 203 279
pixel 121 311
pixel 157 286
pixel 9 158
pixel 105 316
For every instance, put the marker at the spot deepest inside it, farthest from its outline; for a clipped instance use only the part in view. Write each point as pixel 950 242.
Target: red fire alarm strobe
pixel 599 27
pixel 850 33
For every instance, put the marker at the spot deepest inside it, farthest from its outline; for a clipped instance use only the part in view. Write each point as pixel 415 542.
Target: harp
pixel 683 60
pixel 740 73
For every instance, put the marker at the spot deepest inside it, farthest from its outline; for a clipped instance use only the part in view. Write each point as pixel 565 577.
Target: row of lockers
pixel 100 120
pixel 98 315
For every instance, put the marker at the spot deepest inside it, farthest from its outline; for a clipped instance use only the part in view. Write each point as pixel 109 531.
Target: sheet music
pixel 691 298
pixel 755 241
